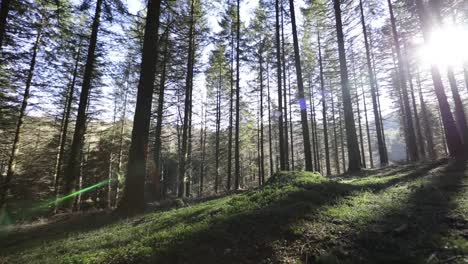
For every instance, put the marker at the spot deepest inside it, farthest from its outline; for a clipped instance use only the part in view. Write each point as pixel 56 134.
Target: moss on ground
pixel 401 214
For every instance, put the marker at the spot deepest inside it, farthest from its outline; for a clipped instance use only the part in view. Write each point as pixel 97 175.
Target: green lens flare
pixel 71 195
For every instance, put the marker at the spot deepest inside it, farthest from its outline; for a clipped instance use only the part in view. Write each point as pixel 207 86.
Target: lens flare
pixel 445 47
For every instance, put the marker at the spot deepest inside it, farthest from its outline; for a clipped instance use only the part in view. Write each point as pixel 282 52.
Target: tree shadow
pixel 244 236
pixel 413 232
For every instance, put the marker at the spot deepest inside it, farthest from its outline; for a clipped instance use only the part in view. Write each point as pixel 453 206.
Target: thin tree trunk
pixel 361 137
pixel 324 109
pixel 281 151
pixel 375 105
pixel 427 125
pixel 460 116
pixel 262 154
pixel 187 105
pixel 237 139
pixel 159 122
pixel 64 126
pixel 218 125
pixel 269 121
pixel 231 110
pixel 340 122
pixel 285 102
pixel 300 90
pixel 133 193
pixel 72 168
pixel 291 134
pixel 11 170
pixel 203 150
pixel 335 138
pixel 312 113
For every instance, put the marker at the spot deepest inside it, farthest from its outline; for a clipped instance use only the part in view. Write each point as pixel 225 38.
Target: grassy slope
pixel 405 214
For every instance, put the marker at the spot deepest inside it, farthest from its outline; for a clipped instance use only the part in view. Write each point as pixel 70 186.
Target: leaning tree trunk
pixel 353 146
pixel 372 82
pixel 282 158
pixel 5 185
pixel 64 125
pixel 453 138
pixel 412 147
pixel 300 90
pixel 133 194
pixel 72 168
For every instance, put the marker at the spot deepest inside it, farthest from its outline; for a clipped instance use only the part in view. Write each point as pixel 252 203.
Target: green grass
pixel 406 214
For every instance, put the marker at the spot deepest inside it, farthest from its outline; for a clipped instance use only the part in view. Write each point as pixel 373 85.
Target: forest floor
pixel 415 213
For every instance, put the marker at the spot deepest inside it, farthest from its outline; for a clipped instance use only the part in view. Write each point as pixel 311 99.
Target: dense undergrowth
pixel 401 214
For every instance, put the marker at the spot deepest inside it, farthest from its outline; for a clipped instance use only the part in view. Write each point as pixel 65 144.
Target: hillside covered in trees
pixel 253 131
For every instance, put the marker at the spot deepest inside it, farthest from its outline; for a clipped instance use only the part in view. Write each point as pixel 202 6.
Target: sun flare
pixel 446 47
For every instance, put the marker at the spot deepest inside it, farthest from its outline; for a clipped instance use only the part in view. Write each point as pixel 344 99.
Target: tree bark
pixel 237 139
pixel 453 138
pixel 300 88
pixel 11 169
pixel 354 163
pixel 372 82
pixel 133 194
pixel 280 105
pixel 324 109
pixel 72 168
pixel 187 105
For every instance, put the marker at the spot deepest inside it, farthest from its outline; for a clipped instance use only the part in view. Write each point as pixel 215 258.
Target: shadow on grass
pixel 236 237
pixel 412 233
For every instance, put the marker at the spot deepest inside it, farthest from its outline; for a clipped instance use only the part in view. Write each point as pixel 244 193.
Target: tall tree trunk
pixel 203 150
pixel 291 134
pixel 187 105
pixel 353 146
pixel 422 151
pixel 270 152
pixel 427 125
pixel 465 74
pixel 285 102
pixel 159 121
pixel 369 143
pixel 300 91
pixel 312 113
pixel 282 157
pixel 324 108
pixel 412 147
pixel 361 136
pixel 72 168
pixel 133 194
pixel 64 125
pixel 4 10
pixel 373 83
pixel 454 140
pixel 218 126
pixel 335 137
pixel 231 110
pixel 262 154
pixel 237 143
pixel 460 116
pixel 340 122
pixel 11 170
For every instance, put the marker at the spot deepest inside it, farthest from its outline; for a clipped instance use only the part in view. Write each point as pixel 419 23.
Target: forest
pixel 233 131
